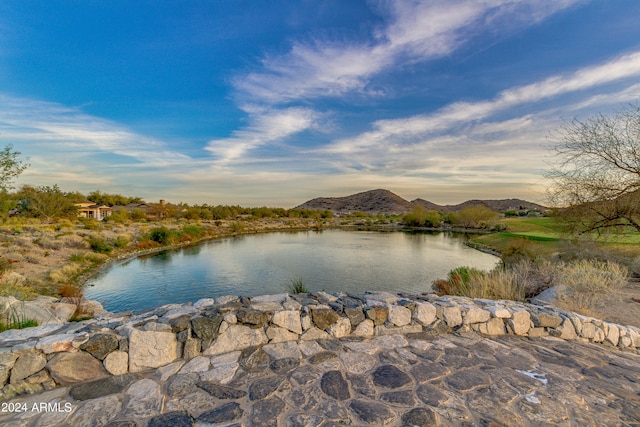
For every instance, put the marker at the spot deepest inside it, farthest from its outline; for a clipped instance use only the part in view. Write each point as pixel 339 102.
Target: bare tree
pixel 596 177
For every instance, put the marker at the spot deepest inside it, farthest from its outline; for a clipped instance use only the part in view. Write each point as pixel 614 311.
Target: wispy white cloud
pixel 415 31
pixel 267 126
pixel 69 129
pixel 407 130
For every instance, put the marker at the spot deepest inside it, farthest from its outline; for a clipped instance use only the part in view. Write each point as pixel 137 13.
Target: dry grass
pixel 496 284
pixel 588 284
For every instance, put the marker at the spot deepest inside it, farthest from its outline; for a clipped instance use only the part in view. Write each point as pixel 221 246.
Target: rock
pixel 252 317
pixel 236 337
pixel 499 311
pixel 171 419
pixel 495 326
pixel 364 329
pixel 263 387
pixel 223 368
pixel 169 370
pixel 341 328
pixel 371 412
pixel 268 302
pixel 220 391
pixel 222 415
pixel 419 417
pixel 191 348
pixel 520 322
pixel 399 316
pixel 56 343
pixel 203 303
pixel 334 385
pixel 613 335
pixel 7 361
pixel 378 314
pixel 96 412
pixel 425 313
pixel 91 308
pixel 390 376
pixel 354 314
pixel 206 328
pixel 69 368
pixel 324 317
pixel 314 334
pixel 475 315
pixel 26 365
pixel 117 362
pixel 28 333
pixel 404 397
pixel 101 387
pixel 182 384
pixel 64 311
pixel 452 315
pixel 265 412
pixel 151 349
pixel 277 335
pixel 588 331
pixel 379 296
pixel 100 345
pixel 282 350
pixel 357 363
pixel 145 399
pixel 566 331
pixel 288 319
pixel 197 364
pixel 546 320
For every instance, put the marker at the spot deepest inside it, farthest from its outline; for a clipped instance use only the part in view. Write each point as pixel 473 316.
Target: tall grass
pixel 297 286
pixel 473 283
pixel 589 283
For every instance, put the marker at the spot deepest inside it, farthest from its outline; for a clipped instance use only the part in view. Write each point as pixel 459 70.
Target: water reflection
pixel 331 260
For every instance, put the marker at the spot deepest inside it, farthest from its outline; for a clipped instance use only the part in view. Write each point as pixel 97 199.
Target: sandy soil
pixel 624 308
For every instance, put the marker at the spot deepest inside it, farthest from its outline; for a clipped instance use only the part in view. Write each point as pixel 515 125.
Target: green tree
pixel 596 176
pixel 48 202
pixel 11 166
pixel 476 216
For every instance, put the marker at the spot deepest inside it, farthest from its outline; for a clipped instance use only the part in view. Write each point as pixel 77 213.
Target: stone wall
pixel 49 356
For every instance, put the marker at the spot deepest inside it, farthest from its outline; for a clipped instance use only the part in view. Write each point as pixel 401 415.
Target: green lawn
pixel 544 236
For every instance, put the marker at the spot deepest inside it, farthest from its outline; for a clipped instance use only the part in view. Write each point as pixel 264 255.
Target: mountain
pixel 373 201
pixel 384 201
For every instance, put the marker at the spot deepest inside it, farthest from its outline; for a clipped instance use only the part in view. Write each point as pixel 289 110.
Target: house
pixel 88 209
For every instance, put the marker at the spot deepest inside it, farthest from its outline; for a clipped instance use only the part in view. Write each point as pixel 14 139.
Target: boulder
pixel 425 313
pixel 288 319
pixel 236 337
pixel 26 365
pixel 399 316
pixel 151 349
pixel 68 368
pixel 117 362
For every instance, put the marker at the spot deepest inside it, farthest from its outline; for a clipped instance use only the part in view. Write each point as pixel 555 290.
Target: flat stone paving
pixel 395 380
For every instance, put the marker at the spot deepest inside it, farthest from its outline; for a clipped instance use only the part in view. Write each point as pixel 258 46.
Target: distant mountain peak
pixel 384 201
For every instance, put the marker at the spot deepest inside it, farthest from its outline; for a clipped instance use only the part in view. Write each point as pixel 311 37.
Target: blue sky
pixel 273 103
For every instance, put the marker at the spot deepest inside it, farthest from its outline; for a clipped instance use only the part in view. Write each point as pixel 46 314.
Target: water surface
pixel 330 260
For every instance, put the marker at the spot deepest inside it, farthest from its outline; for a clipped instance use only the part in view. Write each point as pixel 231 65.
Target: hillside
pixel 373 201
pixel 384 201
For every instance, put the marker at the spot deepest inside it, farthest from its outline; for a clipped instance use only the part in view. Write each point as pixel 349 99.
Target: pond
pixel 329 260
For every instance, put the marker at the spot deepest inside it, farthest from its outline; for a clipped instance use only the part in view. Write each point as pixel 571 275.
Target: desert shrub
pixel 90 223
pixel 66 274
pixel 193 231
pixel 98 244
pixel 5 266
pixel 121 241
pixel 162 235
pixel 237 226
pixel 70 291
pixel 138 214
pixel 518 250
pixel 589 283
pixel 47 243
pixel 73 241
